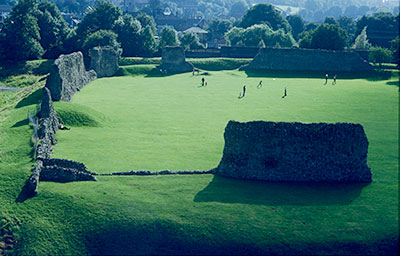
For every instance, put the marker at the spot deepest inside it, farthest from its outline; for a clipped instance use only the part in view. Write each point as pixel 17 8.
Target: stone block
pixel 295 152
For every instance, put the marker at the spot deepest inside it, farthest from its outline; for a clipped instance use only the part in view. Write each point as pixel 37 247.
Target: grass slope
pixel 155 123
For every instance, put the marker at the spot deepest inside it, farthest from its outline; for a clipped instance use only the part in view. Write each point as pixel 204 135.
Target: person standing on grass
pixel 259 85
pixel 244 90
pixel 284 93
pixel 202 81
pixel 334 80
pixel 326 78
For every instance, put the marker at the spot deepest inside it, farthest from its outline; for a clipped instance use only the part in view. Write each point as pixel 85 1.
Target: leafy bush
pixel 379 55
pixel 101 38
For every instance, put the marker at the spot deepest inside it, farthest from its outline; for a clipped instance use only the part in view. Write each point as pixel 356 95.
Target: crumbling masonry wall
pixel 173 60
pixel 67 76
pixel 295 152
pixel 104 60
pixel 47 169
pixel 296 59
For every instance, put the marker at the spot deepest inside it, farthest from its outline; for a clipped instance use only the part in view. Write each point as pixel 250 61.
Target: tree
pixel 218 28
pixel 53 29
pixel 305 39
pixel 21 33
pixel 238 9
pixel 379 55
pixel 168 37
pixel 234 36
pixel 101 38
pixel 279 38
pixel 264 14
pixel 190 41
pixel 382 28
pixel 330 20
pixel 146 20
pixel 328 36
pixel 149 44
pixel 394 47
pixel 259 35
pixel 101 17
pixel 348 24
pixel 155 7
pixel 361 42
pixel 297 24
pixel 255 35
pixel 128 31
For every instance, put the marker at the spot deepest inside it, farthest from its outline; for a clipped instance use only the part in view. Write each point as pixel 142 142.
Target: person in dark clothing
pixel 243 93
pixel 202 81
pixel 259 85
pixel 326 78
pixel 284 93
pixel 334 80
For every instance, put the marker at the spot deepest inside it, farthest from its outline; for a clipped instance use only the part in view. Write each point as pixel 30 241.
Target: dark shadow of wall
pixel 226 190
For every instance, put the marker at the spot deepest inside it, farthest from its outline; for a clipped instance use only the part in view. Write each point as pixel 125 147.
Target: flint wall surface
pixel 173 60
pixel 104 60
pixel 67 76
pixel 295 59
pixel 295 152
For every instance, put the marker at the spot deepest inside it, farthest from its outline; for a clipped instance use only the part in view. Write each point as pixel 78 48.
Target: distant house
pixel 180 24
pixel 201 33
pixel 72 19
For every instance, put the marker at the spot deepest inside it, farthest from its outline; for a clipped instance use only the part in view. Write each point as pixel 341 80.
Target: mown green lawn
pixel 156 123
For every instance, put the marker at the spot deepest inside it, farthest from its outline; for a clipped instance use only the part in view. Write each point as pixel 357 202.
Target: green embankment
pixel 154 123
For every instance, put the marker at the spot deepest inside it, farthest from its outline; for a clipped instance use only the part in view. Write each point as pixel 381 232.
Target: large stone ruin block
pixel 173 60
pixel 67 76
pixel 294 59
pixel 295 152
pixel 104 60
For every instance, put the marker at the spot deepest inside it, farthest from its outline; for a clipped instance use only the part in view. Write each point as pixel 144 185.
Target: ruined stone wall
pixel 104 60
pixel 63 170
pixel 47 169
pixel 67 76
pixel 173 60
pixel 295 59
pixel 298 152
pixel 48 125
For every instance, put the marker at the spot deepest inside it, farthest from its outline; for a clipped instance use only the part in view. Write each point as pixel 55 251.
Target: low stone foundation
pixel 295 152
pixel 164 172
pixel 63 170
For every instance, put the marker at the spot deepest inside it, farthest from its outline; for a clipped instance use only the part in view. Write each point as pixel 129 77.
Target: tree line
pixel 37 30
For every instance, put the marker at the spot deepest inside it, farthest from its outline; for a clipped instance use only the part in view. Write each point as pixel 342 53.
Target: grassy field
pixel 155 123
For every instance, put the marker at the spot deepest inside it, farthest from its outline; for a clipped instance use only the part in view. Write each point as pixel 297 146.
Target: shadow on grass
pixel 168 237
pixel 162 237
pixel 227 190
pixel 32 99
pixel 24 194
pixel 373 75
pixel 20 123
pixel 394 83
